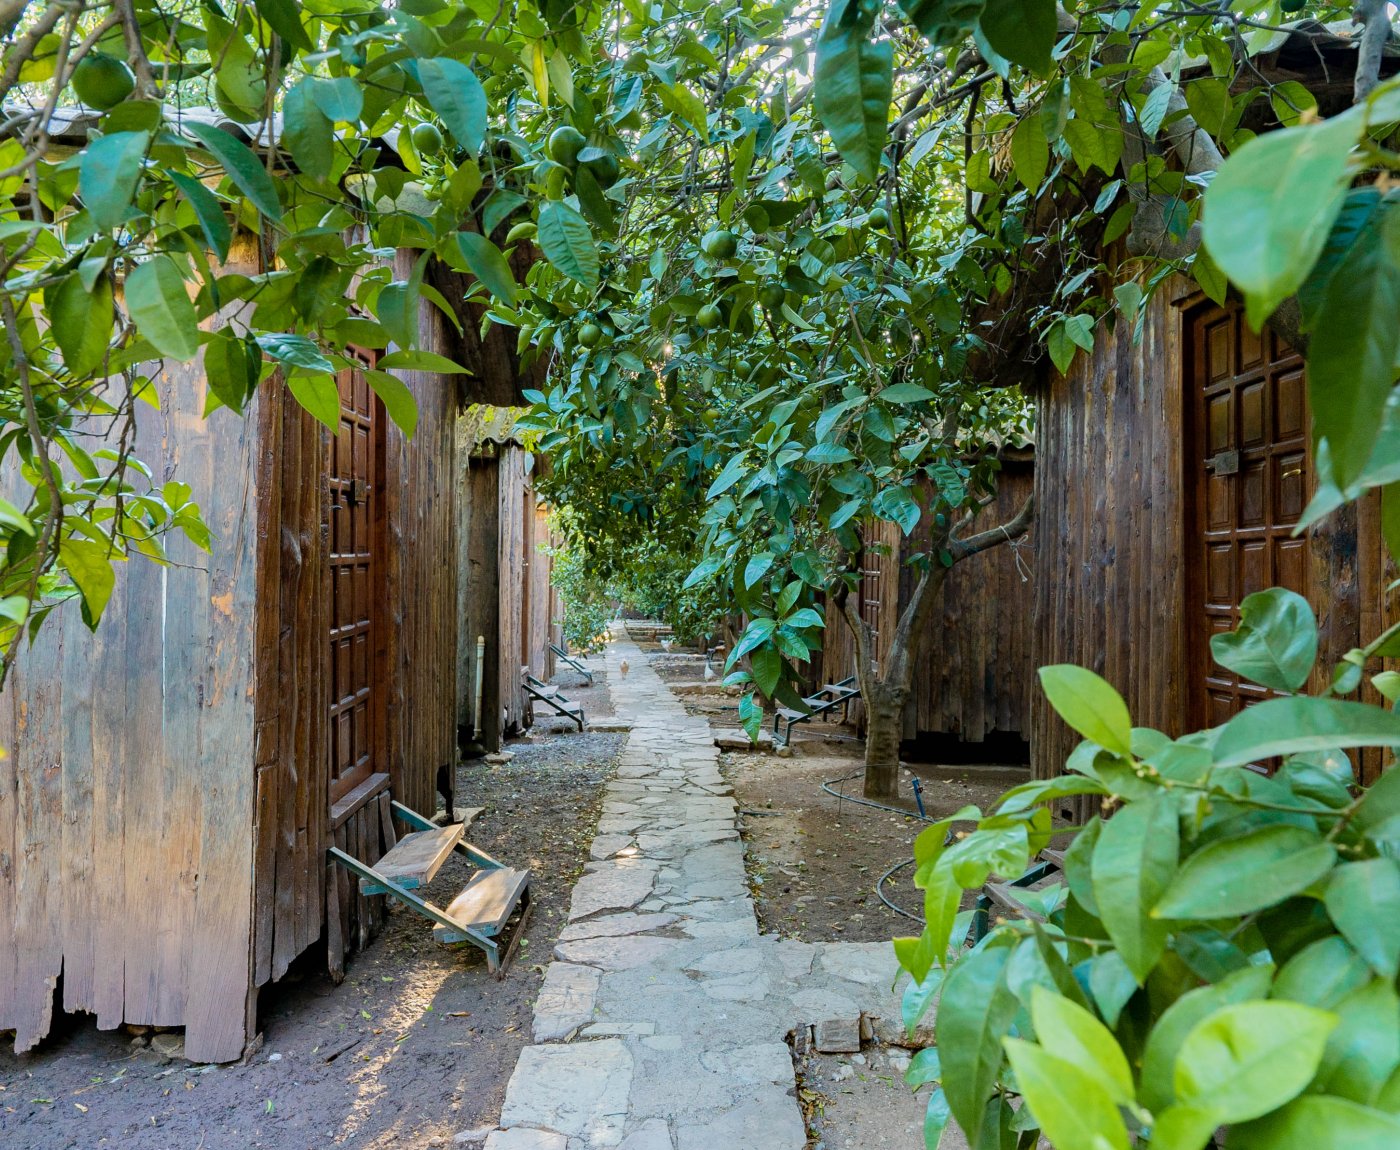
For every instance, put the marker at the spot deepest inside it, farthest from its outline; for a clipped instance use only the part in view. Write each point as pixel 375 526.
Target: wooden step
pixel 415 859
pixel 485 903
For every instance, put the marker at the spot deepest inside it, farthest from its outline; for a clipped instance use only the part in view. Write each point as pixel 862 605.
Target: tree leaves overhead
pixel 1021 30
pixel 159 302
pixel 458 97
pixel 853 85
pixel 108 174
pixel 567 242
pixel 243 167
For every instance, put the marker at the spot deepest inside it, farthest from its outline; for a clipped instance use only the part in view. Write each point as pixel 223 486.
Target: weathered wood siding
pixel 973 673
pixel 1111 519
pixel 127 795
pixel 516 532
pixel 478 543
pixel 541 596
pixel 1110 516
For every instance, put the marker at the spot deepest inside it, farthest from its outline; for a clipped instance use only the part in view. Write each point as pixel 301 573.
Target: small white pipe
pixel 476 709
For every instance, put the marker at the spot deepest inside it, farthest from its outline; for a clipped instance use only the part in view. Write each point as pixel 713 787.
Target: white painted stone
pixel 579 1090
pixel 565 1001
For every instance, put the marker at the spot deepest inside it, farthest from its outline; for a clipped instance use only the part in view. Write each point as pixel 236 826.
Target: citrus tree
pixel 230 184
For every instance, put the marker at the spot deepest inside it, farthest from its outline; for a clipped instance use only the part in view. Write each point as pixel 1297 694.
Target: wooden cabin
pixel 174 779
pixel 974 675
pixel 506 604
pixel 1170 473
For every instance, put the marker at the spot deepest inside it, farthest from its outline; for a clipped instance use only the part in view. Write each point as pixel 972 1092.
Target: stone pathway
pixel 662 1022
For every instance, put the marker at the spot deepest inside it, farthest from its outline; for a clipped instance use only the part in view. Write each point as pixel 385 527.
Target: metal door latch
pixel 1224 463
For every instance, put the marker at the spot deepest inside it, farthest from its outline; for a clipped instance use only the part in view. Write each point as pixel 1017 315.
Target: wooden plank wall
pixel 1109 564
pixel 422 576
pixel 127 795
pixel 478 539
pixel 541 596
pixel 516 531
pixel 973 674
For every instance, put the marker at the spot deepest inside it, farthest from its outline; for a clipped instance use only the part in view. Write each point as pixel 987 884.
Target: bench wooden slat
pixel 415 858
pixel 486 902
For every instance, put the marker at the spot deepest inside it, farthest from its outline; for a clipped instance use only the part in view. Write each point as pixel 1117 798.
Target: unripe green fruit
pixel 525 230
pixel 605 169
pixel 772 296
pixel 565 143
pixel 743 368
pixel 102 81
pixel 427 139
pixel 590 335
pixel 720 244
pixel 708 317
pixel 879 218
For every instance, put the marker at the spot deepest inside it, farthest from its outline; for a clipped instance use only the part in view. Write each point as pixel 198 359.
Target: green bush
pixel 1223 950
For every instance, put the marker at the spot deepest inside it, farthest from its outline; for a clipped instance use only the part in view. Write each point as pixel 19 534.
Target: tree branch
pixel 1018 526
pixel 1375 15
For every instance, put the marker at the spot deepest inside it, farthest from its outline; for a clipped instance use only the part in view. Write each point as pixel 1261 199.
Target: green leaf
pixel 750 716
pixel 208 211
pixel 488 265
pixel 1164 1042
pixel 319 395
pixel 397 309
pixel 1030 151
pixel 420 361
pixel 729 475
pixel 1292 726
pixel 283 17
pixel 1364 1050
pixel 918 995
pixel 1322 974
pixel 905 393
pixel 1133 864
pixel 1082 1039
pixel 1070 1106
pixel 1319 1123
pixel 853 85
pixel 82 321
pixel 307 132
pixel 399 402
pixel 1089 705
pixel 1060 346
pixel 935 1119
pixel 1246 872
pixel 767 667
pixel 974 1013
pixel 157 301
pixel 232 366
pixel 294 351
pixel 1249 1058
pixel 242 166
pixel 567 243
pixel 682 102
pixel 457 96
pixel 108 173
pixel 1363 899
pixel 89 565
pixel 1271 206
pixel 1094 145
pixel 1275 644
pixel 1355 347
pixel 1024 31
pixel 340 99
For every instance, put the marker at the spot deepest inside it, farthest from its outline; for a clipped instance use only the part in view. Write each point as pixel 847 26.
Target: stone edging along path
pixel 662 1022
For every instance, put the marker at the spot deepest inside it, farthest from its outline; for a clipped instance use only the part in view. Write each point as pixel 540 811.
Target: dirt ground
pixel 415 1046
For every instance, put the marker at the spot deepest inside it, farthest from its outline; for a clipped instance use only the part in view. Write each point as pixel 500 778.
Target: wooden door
pixel 1247 463
pixel 355 468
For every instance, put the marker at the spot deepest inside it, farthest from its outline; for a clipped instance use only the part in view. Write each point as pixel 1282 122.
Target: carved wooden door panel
pixel 355 467
pixel 1247 424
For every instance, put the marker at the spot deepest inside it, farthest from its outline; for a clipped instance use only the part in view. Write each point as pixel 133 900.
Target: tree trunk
pixel 884 729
